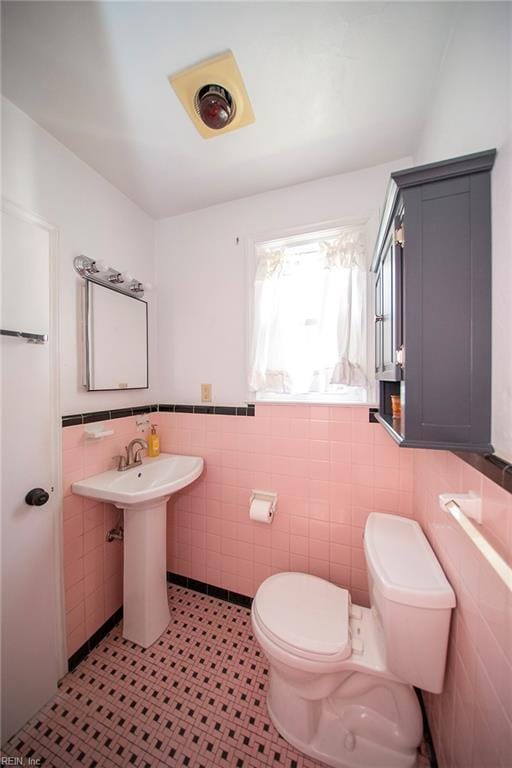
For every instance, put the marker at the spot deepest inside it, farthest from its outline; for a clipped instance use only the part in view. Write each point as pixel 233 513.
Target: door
pixel 32 654
pixel 388 312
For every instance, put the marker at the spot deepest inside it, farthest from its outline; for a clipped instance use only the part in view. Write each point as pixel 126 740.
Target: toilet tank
pixel 411 599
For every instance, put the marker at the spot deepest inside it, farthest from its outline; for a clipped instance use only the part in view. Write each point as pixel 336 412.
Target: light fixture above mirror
pixel 100 272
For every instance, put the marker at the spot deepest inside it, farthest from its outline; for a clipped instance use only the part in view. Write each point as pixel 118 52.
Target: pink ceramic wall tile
pixel 363 433
pixel 358 559
pixel 319 568
pixel 198 564
pixel 319 450
pixel 280 560
pixel 72 505
pixel 387 454
pixel 93 516
pixel 318 529
pixel 340 472
pixel 94 621
pixel 472 718
pixel 340 575
pixel 69 478
pixel 364 475
pixel 72 437
pixel 359 579
pixel 95 602
pixel 75 595
pixel 341 432
pixel 113 595
pixel 280 540
pixel 319 430
pixel 362 453
pixel 72 460
pixel 76 638
pixel 281 522
pixel 319 413
pixel 331 468
pixel 387 500
pixel 340 534
pixel 340 413
pixel 359 414
pixel 319 549
pixel 73 571
pixel 299 525
pixel 339 554
pixel 73 550
pixel 299 563
pixel 299 545
pixel 360 596
pixel 262 555
pixel 93 538
pixel 73 527
pixel 75 617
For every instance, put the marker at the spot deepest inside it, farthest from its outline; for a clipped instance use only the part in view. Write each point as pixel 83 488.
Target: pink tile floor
pixel 195 698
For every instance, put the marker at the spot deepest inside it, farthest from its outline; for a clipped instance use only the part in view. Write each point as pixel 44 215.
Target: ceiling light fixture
pixel 214 95
pixel 215 106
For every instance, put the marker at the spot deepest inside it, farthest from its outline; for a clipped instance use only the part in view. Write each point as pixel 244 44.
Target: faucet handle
pixel 121 462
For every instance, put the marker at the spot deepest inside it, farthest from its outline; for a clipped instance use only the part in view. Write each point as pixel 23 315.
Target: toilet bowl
pixel 342 675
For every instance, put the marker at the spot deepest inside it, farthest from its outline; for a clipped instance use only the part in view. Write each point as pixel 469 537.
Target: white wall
pixel 201 272
pixel 92 217
pixel 470 112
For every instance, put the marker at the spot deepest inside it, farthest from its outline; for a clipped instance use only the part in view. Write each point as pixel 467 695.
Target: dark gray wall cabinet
pixel 433 305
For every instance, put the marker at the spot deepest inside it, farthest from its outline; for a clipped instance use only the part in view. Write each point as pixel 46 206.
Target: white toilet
pixel 341 675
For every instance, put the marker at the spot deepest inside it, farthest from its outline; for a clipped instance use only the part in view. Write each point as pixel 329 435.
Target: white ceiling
pixel 335 86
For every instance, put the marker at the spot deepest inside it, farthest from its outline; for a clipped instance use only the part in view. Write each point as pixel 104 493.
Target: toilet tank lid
pixel 403 563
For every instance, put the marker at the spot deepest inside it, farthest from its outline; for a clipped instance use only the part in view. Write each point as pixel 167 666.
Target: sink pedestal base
pixel 146 610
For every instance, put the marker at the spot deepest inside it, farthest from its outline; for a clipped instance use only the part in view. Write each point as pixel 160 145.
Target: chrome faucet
pixel 132 457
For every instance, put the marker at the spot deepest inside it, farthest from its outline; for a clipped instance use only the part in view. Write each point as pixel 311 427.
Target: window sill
pixel 313 400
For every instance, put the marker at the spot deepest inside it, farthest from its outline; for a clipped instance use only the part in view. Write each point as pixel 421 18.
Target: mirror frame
pixel 87 336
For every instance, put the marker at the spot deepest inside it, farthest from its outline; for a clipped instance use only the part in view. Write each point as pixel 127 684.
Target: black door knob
pixel 37 497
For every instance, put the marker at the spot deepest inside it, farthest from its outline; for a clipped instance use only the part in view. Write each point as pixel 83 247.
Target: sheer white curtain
pixel 309 315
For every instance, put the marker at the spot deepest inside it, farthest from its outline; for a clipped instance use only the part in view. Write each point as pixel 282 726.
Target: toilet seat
pixel 304 615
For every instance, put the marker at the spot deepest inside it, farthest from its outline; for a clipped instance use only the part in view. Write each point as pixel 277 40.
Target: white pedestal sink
pixel 143 492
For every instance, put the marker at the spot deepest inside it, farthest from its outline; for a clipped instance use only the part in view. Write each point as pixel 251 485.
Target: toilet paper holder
pixel 270 496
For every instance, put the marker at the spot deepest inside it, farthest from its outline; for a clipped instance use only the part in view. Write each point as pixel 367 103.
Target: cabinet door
pixel 447 278
pixel 378 324
pixel 388 314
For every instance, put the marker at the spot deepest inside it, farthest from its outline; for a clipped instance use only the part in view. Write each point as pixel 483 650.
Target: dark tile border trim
pixel 490 465
pixel 209 589
pixel 117 413
pixel 89 645
pixel 121 413
pixel 217 410
pixel 371 415
pixel 427 734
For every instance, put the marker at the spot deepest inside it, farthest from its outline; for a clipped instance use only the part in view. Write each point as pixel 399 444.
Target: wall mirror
pixel 116 339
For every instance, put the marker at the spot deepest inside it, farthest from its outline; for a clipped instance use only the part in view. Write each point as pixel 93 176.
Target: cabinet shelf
pixel 394 428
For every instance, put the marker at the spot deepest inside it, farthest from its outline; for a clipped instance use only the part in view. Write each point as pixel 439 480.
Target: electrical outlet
pixel 206 393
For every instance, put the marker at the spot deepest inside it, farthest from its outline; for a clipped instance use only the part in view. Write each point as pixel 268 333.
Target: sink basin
pixel 143 493
pixel 151 480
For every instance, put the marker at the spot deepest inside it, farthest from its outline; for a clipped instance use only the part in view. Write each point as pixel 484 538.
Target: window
pixel 309 329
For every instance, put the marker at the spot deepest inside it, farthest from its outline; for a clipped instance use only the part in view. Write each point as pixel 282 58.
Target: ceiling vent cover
pixel 214 95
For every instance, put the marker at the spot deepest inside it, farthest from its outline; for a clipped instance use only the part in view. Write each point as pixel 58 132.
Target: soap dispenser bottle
pixel 153 442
